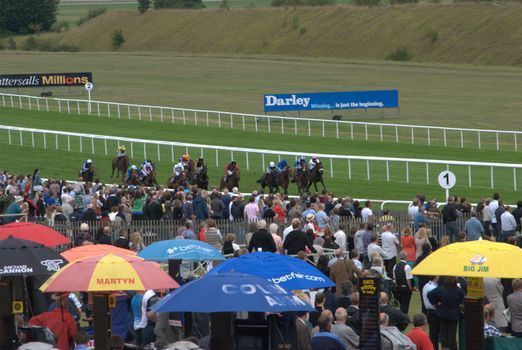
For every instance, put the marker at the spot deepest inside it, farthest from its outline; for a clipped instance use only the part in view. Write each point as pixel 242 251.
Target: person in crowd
pixel 59 321
pixel 446 299
pixel 420 218
pixel 343 270
pixel 213 234
pixel 347 335
pixel 358 239
pixel 492 208
pixel 105 237
pixel 297 240
pixel 390 244
pixel 367 212
pixel 325 339
pixel 251 211
pixel 397 318
pixel 418 333
pixel 514 302
pixel 303 327
pixel 508 224
pixel 136 244
pixel 374 248
pixel 13 209
pixel 493 291
pixel 490 329
pixel 433 320
pixel 391 336
pixel 229 246
pixel 403 279
pixel 262 240
pixel 82 341
pixel 354 319
pixel 473 227
pixel 123 239
pixel 449 218
pixel 421 237
pixel 320 300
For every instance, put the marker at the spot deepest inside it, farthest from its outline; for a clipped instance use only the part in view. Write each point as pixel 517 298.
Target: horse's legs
pixel 322 183
pixel 112 171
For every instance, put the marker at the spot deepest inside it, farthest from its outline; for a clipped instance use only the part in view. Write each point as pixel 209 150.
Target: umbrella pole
pixel 221 330
pixel 101 321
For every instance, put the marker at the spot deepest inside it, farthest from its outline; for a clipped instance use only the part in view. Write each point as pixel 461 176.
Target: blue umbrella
pixel 288 272
pixel 180 249
pixel 230 292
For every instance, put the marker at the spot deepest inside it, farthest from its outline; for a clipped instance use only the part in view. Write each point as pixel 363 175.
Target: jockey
pixel 300 164
pixel 146 168
pixel 133 171
pixel 179 168
pixel 87 165
pixel 230 168
pixel 313 162
pixel 282 165
pixel 122 151
pixel 272 169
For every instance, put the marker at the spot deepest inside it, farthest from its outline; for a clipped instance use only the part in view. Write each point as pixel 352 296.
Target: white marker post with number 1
pixel 89 86
pixel 447 180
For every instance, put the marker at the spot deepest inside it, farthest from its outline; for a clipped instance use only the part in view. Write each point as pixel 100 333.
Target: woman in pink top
pixel 408 244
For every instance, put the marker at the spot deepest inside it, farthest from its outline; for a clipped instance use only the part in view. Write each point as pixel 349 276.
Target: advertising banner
pixel 331 100
pixel 44 79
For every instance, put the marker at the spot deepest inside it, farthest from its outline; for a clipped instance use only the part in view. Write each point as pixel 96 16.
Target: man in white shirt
pixel 492 207
pixel 414 209
pixel 390 242
pixel 340 237
pixel 289 229
pixel 508 224
pixel 367 211
pixel 433 321
pixel 374 247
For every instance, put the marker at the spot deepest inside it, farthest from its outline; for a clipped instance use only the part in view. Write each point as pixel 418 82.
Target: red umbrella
pixel 33 232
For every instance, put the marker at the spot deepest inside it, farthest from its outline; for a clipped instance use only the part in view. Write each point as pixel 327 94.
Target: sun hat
pixel 310 217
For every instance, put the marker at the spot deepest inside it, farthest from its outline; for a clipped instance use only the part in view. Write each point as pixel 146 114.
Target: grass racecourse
pixel 468 96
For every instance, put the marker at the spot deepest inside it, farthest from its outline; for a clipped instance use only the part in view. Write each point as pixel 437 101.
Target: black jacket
pixel 296 241
pixel 397 318
pixel 264 240
pixel 122 243
pixel 449 213
pixel 104 239
pixel 447 301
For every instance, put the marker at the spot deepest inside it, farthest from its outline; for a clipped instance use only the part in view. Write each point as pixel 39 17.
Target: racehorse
pixel 316 175
pixel 88 175
pixel 232 181
pixel 270 180
pixel 200 177
pixel 284 179
pixel 133 180
pixel 122 164
pixel 301 180
pixel 190 169
pixel 181 181
pixel 150 179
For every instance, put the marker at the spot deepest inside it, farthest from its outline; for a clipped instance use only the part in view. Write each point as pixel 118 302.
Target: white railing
pixel 388 169
pixel 351 130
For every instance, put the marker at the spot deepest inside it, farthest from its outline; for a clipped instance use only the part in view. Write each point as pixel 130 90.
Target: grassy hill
pixel 456 33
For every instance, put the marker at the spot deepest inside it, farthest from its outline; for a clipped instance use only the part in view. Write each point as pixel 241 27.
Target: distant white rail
pixel 340 129
pixel 361 167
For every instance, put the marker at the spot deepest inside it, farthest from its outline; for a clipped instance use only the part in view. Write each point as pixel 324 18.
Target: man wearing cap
pixel 14 208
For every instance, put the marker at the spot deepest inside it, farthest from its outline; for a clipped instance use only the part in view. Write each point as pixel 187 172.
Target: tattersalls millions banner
pixel 44 79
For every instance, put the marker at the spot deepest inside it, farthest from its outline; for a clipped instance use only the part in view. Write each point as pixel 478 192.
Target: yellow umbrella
pixel 473 259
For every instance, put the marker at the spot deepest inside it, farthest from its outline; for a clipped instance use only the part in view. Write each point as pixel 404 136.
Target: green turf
pixel 466 96
pixel 66 161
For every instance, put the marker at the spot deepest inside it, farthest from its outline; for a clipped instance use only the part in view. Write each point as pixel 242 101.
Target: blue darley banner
pixel 331 100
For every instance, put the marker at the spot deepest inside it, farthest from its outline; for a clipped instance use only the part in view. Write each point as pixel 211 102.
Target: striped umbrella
pixel 109 272
pixel 85 251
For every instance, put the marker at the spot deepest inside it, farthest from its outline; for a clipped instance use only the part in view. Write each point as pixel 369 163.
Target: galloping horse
pixel 150 179
pixel 270 180
pixel 200 177
pixel 316 175
pixel 133 180
pixel 88 175
pixel 180 182
pixel 301 180
pixel 122 164
pixel 232 181
pixel 284 179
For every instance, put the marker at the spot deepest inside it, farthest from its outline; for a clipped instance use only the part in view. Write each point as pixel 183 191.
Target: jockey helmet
pixel 133 167
pixel 314 156
pixel 186 157
pixel 272 164
pixel 89 161
pixel 122 148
